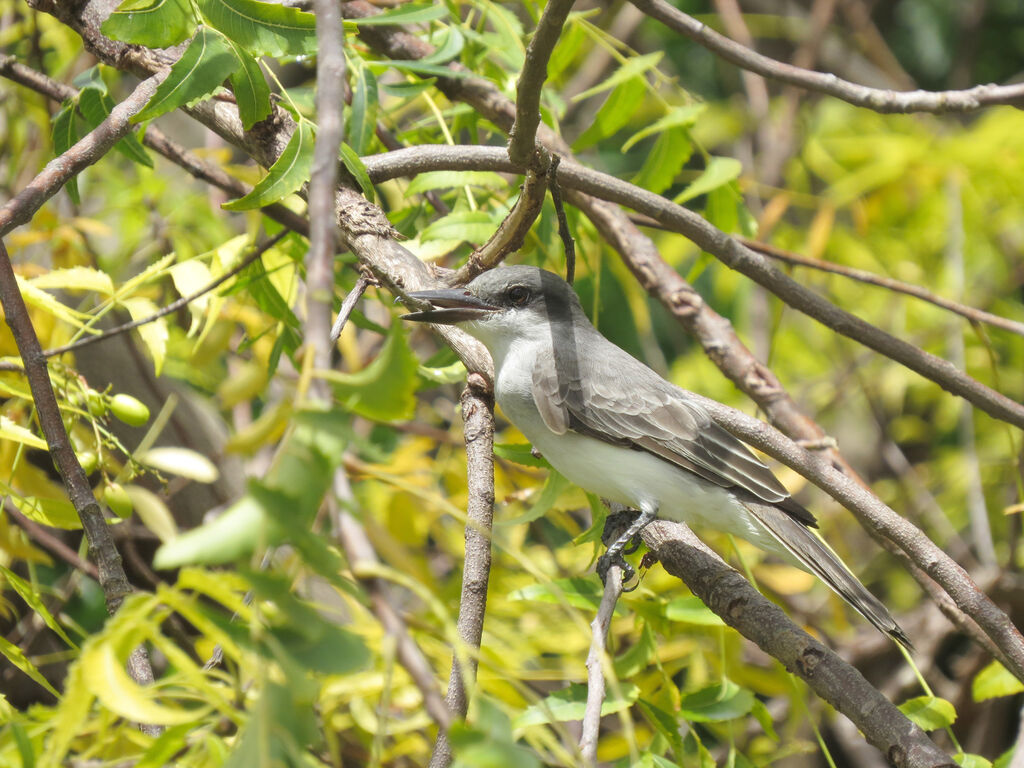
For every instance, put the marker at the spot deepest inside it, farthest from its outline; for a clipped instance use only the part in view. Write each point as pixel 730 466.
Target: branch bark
pixel 478 415
pixel 936 102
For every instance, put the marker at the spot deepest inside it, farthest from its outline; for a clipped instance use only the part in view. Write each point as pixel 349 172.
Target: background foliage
pixel 306 675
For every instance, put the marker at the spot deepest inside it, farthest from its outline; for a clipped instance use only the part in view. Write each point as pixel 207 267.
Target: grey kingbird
pixel 616 428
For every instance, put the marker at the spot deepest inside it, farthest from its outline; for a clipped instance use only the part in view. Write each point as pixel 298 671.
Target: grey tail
pixel 813 555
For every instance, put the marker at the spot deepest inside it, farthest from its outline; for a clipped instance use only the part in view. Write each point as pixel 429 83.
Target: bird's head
pixel 503 304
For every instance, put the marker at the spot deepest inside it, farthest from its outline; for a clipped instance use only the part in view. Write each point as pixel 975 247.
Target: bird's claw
pixel 633 546
pixel 607 560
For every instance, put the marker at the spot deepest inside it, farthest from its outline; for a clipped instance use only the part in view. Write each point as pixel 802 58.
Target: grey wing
pixel 652 415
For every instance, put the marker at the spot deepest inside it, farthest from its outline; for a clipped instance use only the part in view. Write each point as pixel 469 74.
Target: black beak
pixel 450 306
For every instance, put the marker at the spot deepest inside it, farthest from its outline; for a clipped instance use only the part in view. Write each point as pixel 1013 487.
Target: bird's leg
pixel 613 556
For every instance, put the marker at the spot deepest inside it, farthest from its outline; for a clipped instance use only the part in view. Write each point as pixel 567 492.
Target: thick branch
pixel 478 415
pixel 523 135
pixel 741 606
pixel 102 550
pixel 877 99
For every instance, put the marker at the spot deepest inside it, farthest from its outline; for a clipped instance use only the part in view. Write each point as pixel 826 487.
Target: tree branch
pixel 88 150
pixel 879 100
pixel 741 606
pixel 591 725
pixel 478 415
pixel 102 550
pixel 523 136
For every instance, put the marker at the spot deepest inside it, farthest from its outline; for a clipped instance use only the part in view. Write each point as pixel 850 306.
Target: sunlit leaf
pixel 929 712
pixel 570 703
pixel 152 23
pixel 471 226
pixel 95 105
pixel 202 68
pixel 680 116
pixel 32 598
pixel 385 390
pixel 577 591
pixel 75 279
pixel 719 701
pixel 286 175
pixel 690 610
pixel 264 29
pixel 54 512
pixel 363 116
pixel 17 657
pixel 410 13
pixel 354 165
pixel 65 135
pixel 667 157
pixel 153 334
pixel 153 512
pixel 636 66
pixel 9 430
pixel 995 680
pixel 180 461
pixel 719 171
pixel 614 114
pixel 425 182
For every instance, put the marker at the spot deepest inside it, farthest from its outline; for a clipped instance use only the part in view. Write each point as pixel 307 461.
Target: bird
pixel 614 427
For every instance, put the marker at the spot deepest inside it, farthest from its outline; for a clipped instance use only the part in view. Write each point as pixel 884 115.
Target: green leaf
pixel 286 175
pixel 635 67
pixel 719 701
pixel 264 29
pixel 95 105
pixel 354 164
pixel 664 723
pixel 416 67
pixel 450 47
pixel 235 534
pixel 666 159
pixel 678 117
pixel 449 374
pixel 65 135
pixel 616 111
pixel 690 610
pixel 183 462
pixel 204 65
pixel 75 279
pixel 153 334
pixel 35 602
pixel 54 512
pixel 968 760
pixel 153 512
pixel 250 86
pixel 19 434
pixel 18 658
pixel 929 712
pixel 719 171
pixel 152 23
pixel 412 13
pixel 520 453
pixel 569 704
pixel 385 390
pixel 576 591
pixel 554 486
pixel 993 681
pixel 722 208
pixel 764 717
pixel 362 119
pixel 430 180
pixel 471 226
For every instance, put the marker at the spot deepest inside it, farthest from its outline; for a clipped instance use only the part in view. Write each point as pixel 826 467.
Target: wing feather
pixel 650 415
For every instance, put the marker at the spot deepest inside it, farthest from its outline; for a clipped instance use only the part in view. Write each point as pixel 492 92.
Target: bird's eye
pixel 518 295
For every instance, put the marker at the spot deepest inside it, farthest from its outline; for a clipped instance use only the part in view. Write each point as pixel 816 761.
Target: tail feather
pixel 812 554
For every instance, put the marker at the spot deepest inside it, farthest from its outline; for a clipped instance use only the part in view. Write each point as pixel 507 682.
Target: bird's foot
pixel 610 558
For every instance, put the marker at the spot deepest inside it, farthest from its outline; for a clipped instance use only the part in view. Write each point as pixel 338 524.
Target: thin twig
pixel 330 96
pixel 156 140
pixel 169 309
pixel 879 100
pixel 362 283
pixel 523 136
pixel 595 665
pixel 511 233
pixel 863 276
pixel 102 550
pixel 727 249
pixel 39 534
pixel 478 415
pixel 568 244
pixel 88 150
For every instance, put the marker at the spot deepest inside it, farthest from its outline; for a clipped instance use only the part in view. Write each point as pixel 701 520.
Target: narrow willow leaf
pixel 18 658
pixel 667 158
pixel 154 334
pixel 95 105
pixel 56 513
pixel 385 390
pixel 680 116
pixel 206 64
pixel 16 433
pixel 264 29
pixel 250 86
pixel 65 135
pixel 152 23
pixel 718 701
pixel 471 226
pixel 286 175
pixel 635 67
pixel 183 462
pixel 354 164
pixel 363 116
pixel 570 703
pixel 425 182
pixel 75 279
pixel 719 171
pixel 153 512
pixel 32 598
pixel 451 47
pixel 614 114
pixel 412 13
